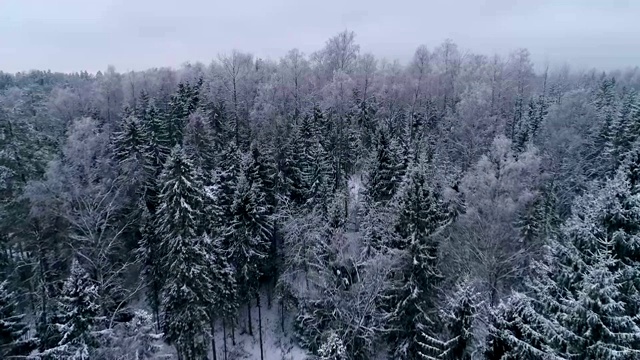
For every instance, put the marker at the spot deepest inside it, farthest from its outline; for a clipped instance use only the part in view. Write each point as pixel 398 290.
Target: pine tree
pixel 596 320
pixel 603 149
pixel 199 142
pixel 149 253
pixel 187 295
pixel 223 303
pixel 181 198
pixel 130 141
pixel 459 321
pixel 419 206
pixel 78 321
pixel 291 170
pixel 182 104
pixel 627 125
pixel 514 332
pixel 248 235
pixel 156 152
pixel 13 328
pixel 384 172
pixel 183 256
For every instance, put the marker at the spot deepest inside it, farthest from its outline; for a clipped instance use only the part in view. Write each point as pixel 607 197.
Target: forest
pixel 458 206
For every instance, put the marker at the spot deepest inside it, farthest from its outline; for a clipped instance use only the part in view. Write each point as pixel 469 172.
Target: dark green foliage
pixel 13 327
pixel 384 174
pixel 77 319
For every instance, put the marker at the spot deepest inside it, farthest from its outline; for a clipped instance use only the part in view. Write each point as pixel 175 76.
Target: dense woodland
pixel 459 206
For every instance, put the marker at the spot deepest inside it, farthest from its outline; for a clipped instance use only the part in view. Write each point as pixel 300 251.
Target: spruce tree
pixel 183 256
pixel 514 332
pixel 248 236
pixel 199 142
pixel 13 328
pixel 187 295
pixel 78 319
pixel 130 141
pixel 384 174
pixel 459 318
pixel 602 150
pixel 223 303
pixel 596 321
pixel 149 254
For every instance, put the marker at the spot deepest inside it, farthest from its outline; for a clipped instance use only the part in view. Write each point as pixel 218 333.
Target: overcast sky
pixel 73 35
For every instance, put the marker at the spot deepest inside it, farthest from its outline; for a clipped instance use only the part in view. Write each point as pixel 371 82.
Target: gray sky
pixel 73 35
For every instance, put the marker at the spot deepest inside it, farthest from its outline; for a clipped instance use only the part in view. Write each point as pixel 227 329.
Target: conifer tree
pixel 514 332
pixel 384 172
pixel 183 256
pixel 459 321
pixel 248 235
pixel 78 319
pixel 149 253
pixel 223 304
pixel 12 326
pixel 130 141
pixel 603 149
pixel 187 295
pixel 596 320
pixel 199 142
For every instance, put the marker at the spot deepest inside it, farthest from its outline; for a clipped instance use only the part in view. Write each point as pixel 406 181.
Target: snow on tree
pixel 135 339
pixel 198 142
pixel 182 104
pixel 78 322
pixel 602 149
pixel 486 238
pixel 223 301
pixel 459 318
pixel 384 175
pixel 514 332
pixel 129 142
pixel 13 328
pixel 248 235
pixel 149 253
pixel 181 197
pixel 183 256
pixel 595 319
pixel 333 348
pixel 187 295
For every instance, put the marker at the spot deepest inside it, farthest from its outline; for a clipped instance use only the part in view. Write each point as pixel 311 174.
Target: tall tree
pixel 183 256
pixel 13 328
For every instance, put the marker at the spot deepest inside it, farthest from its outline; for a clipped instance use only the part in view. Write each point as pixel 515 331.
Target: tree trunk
pixel 213 339
pixel 224 337
pixel 260 326
pixel 282 315
pixel 233 332
pixel 250 328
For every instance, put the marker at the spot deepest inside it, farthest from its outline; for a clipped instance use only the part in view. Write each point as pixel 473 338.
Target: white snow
pixel 277 345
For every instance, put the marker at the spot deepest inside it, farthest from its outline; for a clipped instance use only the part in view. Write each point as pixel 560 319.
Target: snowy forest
pixel 330 206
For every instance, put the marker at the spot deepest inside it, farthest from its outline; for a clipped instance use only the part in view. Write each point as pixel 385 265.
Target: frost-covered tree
pixel 248 235
pixel 384 174
pixel 78 321
pixel 459 318
pixel 223 302
pixel 187 295
pixel 13 327
pixel 514 332
pixel 487 242
pixel 199 143
pixel 333 348
pixel 183 256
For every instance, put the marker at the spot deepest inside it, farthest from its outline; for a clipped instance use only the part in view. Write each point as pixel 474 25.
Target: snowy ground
pixel 277 345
